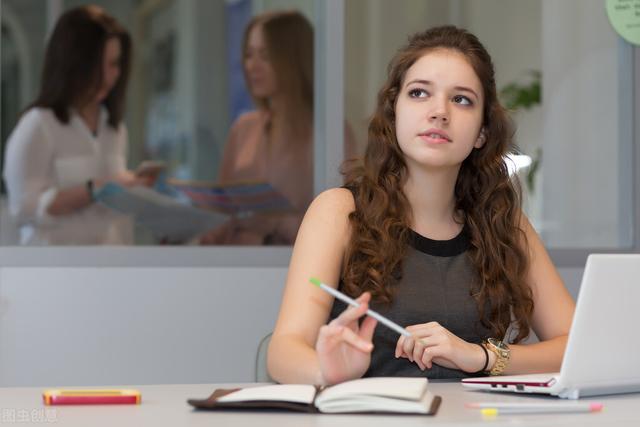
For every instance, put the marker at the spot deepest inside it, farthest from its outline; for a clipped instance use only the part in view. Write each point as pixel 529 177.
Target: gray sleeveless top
pixel 436 284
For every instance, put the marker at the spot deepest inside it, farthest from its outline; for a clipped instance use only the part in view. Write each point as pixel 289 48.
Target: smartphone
pixel 91 397
pixel 150 168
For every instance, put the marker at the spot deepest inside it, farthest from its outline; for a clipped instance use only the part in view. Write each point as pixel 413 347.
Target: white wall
pixel 109 325
pixel 106 326
pixel 581 128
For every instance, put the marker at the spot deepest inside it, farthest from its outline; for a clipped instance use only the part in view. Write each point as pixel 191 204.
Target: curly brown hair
pixel 487 199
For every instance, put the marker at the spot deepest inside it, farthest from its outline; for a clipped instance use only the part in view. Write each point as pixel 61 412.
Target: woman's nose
pixel 252 63
pixel 439 112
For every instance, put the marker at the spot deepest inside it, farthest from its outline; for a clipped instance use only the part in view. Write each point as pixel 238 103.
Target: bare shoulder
pixel 340 199
pixel 335 203
pixel 245 131
pixel 249 119
pixel 327 218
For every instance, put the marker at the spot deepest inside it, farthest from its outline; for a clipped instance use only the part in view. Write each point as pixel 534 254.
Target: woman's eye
pixel 256 54
pixel 462 100
pixel 418 93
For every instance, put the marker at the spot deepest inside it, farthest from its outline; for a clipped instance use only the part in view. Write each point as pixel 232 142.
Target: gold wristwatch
pixel 502 352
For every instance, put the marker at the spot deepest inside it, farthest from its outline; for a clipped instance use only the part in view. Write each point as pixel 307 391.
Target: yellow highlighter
pixel 91 397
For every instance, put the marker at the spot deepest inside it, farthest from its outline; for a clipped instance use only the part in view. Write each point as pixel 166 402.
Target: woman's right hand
pixel 344 347
pixel 125 179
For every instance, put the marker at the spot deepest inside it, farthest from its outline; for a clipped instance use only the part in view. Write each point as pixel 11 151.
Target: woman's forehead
pixel 256 36
pixel 443 67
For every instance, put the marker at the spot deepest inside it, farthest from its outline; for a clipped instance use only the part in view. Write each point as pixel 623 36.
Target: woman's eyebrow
pixel 428 83
pixel 420 81
pixel 466 89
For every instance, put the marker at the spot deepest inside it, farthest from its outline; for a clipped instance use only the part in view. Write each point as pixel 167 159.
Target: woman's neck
pixel 431 195
pixel 90 114
pixel 286 119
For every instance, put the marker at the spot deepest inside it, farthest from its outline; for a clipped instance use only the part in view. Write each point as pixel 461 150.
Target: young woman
pixel 72 139
pixel 429 233
pixel 274 143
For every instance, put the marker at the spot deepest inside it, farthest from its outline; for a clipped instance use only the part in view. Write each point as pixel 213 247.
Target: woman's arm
pixel 69 200
pixel 230 153
pixel 33 195
pixel 552 314
pixel 28 169
pixel 72 199
pixel 318 252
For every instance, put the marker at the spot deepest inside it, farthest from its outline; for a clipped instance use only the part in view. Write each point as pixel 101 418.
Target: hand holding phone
pixel 147 172
pixel 150 168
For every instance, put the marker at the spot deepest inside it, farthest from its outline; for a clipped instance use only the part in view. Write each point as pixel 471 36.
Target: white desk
pixel 165 405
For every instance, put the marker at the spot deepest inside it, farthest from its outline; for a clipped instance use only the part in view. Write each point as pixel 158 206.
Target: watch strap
pixel 502 358
pixel 90 190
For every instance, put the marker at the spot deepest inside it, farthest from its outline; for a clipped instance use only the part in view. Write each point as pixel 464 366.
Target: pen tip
pixel 489 412
pixel 315 281
pixel 595 407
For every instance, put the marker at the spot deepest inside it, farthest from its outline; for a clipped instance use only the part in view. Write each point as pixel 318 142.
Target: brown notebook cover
pixel 212 404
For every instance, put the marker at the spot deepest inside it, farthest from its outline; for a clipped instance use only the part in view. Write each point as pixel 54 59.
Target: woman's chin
pixel 101 96
pixel 261 92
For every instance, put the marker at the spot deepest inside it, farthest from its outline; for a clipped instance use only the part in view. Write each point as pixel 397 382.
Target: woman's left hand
pixel 125 179
pixel 432 343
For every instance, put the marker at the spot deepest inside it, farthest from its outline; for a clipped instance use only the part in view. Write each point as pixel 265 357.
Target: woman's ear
pixel 482 138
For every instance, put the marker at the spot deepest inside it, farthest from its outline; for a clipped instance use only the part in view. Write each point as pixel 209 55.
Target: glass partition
pixel 567 78
pixel 226 113
pixel 561 69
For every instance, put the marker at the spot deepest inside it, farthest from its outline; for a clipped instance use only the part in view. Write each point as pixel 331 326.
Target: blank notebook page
pixel 298 393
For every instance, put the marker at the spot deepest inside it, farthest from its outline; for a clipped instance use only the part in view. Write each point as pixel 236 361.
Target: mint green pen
pixel 342 297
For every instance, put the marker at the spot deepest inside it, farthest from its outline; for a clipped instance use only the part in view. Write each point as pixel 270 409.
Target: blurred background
pixel 565 74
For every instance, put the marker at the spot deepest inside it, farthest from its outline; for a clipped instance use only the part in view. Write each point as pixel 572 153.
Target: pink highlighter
pixel 91 397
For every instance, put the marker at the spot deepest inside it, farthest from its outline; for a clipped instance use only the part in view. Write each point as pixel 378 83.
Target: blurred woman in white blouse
pixel 72 139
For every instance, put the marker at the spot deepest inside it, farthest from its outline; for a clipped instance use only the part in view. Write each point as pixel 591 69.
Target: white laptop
pixel 603 350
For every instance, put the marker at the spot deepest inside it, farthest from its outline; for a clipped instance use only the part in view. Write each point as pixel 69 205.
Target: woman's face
pixel 110 68
pixel 259 72
pixel 439 111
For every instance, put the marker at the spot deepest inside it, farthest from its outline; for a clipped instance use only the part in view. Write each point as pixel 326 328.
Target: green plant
pixel 517 96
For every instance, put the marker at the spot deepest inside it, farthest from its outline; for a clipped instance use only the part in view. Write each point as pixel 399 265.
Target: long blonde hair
pixel 289 39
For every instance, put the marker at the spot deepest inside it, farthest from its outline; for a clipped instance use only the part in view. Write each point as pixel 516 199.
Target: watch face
pixel 499 344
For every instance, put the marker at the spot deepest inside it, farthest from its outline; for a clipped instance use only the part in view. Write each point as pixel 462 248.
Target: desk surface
pixel 165 405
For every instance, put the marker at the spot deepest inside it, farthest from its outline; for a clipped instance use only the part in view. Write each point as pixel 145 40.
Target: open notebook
pixel 367 395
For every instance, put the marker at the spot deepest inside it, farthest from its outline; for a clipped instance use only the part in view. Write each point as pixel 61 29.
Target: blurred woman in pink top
pixel 273 143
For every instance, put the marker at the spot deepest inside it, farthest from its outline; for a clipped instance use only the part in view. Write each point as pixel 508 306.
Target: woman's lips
pixel 435 136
